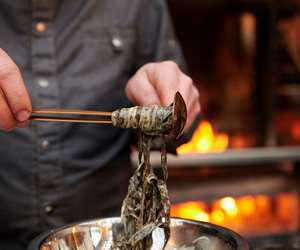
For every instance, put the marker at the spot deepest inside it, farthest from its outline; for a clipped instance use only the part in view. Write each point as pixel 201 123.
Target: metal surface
pixel 66 119
pixel 70 112
pixel 232 157
pixel 100 234
pixel 60 115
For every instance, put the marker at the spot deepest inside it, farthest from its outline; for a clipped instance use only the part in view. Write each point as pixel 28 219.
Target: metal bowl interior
pixel 100 234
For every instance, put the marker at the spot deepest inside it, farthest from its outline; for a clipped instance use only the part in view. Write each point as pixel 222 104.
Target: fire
pixel 205 140
pixel 228 204
pixel 248 215
pixel 192 210
pixel 247 205
pixel 217 216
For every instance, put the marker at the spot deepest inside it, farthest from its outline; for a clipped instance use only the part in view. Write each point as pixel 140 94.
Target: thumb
pixel 13 88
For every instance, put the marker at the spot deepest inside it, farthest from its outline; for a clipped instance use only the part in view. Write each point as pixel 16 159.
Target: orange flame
pixel 205 140
pixel 246 214
pixel 194 210
pixel 228 204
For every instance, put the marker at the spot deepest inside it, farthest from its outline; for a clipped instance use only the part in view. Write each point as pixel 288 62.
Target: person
pixel 90 55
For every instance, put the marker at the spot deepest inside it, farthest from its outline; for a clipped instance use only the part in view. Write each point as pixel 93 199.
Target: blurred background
pixel 241 168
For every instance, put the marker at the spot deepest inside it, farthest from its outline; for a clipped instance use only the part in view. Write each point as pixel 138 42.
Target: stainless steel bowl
pixel 100 234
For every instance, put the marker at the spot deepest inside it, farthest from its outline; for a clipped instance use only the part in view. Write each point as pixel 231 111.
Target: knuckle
pixel 188 80
pixel 146 67
pixel 197 94
pixel 150 64
pixel 194 91
pixel 188 84
pixel 170 64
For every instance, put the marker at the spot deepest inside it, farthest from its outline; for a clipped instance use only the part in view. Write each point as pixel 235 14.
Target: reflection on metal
pixel 100 235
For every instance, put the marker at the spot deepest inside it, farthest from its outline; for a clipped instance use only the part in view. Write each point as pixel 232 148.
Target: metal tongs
pixel 178 116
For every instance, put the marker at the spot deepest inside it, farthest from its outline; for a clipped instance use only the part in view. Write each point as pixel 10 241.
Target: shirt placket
pixel 49 170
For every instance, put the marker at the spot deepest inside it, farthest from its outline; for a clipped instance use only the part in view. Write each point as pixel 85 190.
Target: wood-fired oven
pixel 241 169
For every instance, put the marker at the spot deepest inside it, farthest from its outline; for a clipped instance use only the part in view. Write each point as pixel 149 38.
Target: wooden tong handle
pixel 65 115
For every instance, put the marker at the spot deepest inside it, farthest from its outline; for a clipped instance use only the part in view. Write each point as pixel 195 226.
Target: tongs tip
pixel 179 116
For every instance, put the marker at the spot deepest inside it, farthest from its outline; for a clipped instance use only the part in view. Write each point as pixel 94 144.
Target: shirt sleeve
pixel 156 36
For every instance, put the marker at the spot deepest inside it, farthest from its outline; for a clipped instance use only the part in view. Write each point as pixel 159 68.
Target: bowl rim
pixel 225 234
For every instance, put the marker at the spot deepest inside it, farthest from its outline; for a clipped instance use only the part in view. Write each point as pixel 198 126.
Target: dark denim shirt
pixel 75 54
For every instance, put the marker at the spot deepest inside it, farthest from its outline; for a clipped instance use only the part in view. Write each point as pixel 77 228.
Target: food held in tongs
pixel 153 120
pixel 146 207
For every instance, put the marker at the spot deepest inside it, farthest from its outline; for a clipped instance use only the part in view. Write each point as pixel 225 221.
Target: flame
pixel 217 216
pixel 228 204
pixel 247 205
pixel 249 214
pixel 205 140
pixel 192 210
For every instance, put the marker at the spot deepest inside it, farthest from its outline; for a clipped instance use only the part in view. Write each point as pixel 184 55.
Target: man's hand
pixel 15 105
pixel 157 83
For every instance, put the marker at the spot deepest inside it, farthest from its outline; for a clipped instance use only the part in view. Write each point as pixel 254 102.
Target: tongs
pixel 64 115
pixel 178 116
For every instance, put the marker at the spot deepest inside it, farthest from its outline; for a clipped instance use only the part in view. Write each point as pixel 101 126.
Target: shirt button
pixel 43 83
pixel 48 209
pixel 117 42
pixel 40 27
pixel 45 144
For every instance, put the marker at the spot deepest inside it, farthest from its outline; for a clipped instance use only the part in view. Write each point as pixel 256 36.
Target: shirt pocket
pixel 110 48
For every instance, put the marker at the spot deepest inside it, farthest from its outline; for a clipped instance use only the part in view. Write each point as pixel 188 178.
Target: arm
pixel 160 76
pixel 15 105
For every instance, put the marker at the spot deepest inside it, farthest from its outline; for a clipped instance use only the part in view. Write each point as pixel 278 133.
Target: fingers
pixel 191 96
pixel 7 120
pixel 15 104
pixel 165 78
pixel 140 91
pixel 157 83
pixel 193 111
